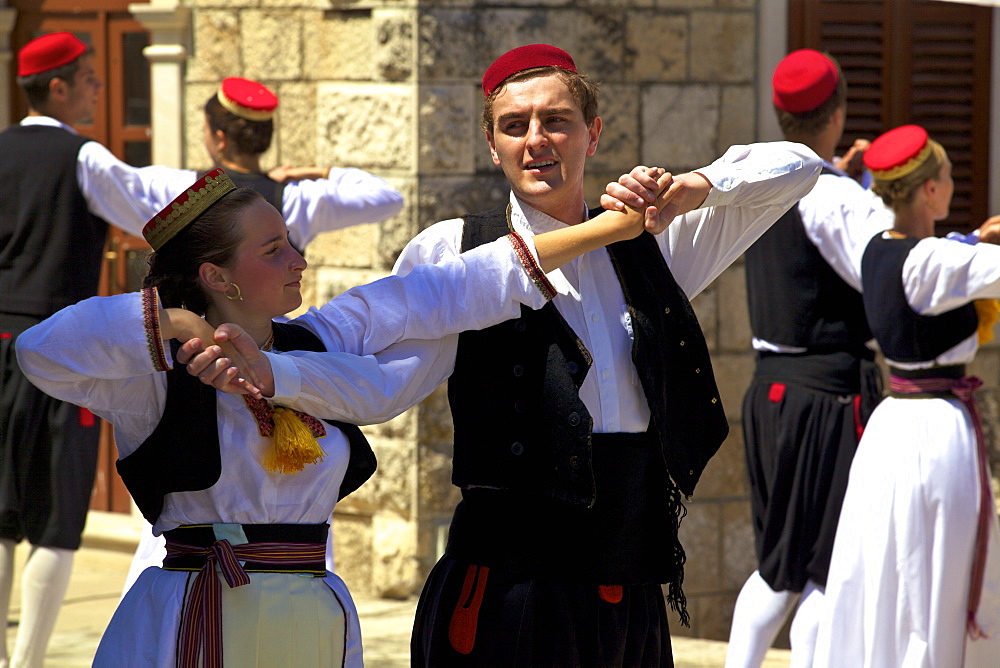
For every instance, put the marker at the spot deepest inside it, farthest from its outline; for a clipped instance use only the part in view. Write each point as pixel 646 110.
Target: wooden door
pixel 122 123
pixel 913 61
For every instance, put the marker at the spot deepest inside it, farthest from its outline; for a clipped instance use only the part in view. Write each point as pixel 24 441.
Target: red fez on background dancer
pixel 247 99
pixel 48 52
pixel 898 152
pixel 525 58
pixel 803 80
pixel 187 206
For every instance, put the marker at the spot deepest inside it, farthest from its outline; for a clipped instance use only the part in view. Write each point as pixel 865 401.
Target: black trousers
pixel 48 455
pixel 472 615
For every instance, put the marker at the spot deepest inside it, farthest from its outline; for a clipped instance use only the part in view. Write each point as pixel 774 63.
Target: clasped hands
pixel 661 195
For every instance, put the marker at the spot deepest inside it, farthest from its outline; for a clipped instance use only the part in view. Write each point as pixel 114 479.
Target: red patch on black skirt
pixel 465 619
pixel 776 393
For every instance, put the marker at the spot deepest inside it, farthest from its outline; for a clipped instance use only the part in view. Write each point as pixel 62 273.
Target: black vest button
pixel 574 419
pixel 574 462
pixel 516 448
pixel 518 370
pixel 572 367
pixel 520 326
pixel 520 406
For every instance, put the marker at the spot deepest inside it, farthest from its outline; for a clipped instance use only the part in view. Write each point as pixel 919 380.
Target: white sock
pixel 759 614
pixel 805 626
pixel 43 588
pixel 7 548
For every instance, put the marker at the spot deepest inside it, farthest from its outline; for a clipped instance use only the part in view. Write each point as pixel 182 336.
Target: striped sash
pixel 964 390
pixel 201 622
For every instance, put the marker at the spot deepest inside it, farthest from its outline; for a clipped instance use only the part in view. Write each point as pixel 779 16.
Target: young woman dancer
pixel 915 573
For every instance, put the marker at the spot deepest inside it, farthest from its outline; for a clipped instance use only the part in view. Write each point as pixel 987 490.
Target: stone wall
pixel 392 87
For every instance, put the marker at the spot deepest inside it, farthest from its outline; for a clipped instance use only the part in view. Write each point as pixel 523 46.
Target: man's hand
pixel 638 189
pixel 989 232
pixel 234 364
pixel 853 163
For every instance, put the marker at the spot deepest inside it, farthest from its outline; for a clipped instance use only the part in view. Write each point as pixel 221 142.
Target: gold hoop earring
pixel 239 295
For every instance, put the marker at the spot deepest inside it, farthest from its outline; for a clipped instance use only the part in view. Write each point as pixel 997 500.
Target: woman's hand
pixel 234 364
pixel 218 365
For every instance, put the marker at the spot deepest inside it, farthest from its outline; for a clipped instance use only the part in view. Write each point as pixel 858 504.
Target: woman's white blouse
pixel 97 354
pixel 942 274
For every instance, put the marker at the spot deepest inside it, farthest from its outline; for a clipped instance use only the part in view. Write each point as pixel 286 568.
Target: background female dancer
pixel 915 571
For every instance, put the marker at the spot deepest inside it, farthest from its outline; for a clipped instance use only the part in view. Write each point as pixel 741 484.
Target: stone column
pixel 169 27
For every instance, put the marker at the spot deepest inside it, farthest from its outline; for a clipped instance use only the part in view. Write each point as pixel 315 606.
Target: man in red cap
pixel 815 383
pixel 579 428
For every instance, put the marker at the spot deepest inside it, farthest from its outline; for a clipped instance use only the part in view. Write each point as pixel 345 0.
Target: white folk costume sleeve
pixel 102 354
pixel 752 186
pixel 477 289
pixel 940 274
pixel 124 195
pixel 346 197
pixel 840 218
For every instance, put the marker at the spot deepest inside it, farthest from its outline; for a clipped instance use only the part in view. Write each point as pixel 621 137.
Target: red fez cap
pixel 898 152
pixel 48 52
pixel 803 80
pixel 525 58
pixel 247 99
pixel 187 206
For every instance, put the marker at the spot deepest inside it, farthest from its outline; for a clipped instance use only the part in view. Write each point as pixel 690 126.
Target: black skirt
pixel 48 455
pixel 801 421
pixel 471 615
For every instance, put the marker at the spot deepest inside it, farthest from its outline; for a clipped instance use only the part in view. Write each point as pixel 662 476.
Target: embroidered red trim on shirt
pixel 151 321
pixel 535 272
pixel 264 414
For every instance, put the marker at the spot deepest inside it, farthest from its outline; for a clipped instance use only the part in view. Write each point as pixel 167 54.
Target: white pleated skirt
pixel 899 576
pixel 278 619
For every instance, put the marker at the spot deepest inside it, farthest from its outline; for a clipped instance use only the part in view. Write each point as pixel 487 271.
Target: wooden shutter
pixel 912 61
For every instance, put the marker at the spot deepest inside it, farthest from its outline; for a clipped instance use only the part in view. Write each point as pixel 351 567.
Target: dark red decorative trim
pixel 151 321
pixel 535 272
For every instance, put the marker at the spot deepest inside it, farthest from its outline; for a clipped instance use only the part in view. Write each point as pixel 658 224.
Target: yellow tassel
pixel 294 445
pixel 988 311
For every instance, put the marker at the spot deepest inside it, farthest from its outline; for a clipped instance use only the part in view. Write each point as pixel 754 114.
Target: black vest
pixel 902 334
pixel 795 297
pixel 50 244
pixel 514 394
pixel 182 454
